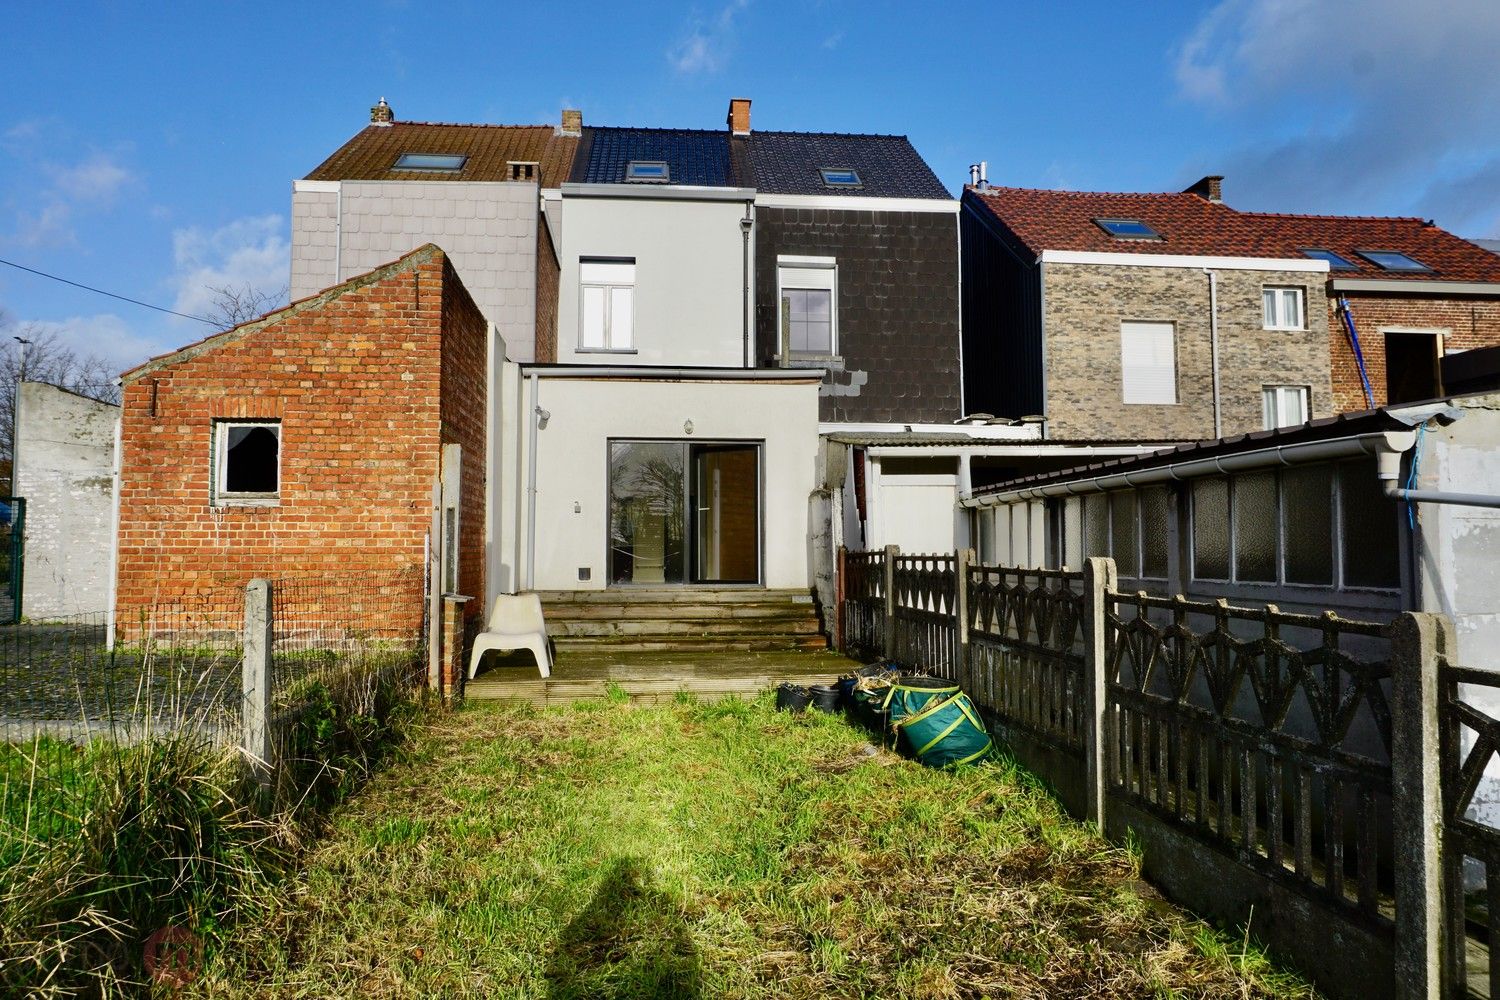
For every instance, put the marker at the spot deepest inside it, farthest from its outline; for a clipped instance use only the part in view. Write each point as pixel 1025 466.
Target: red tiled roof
pixel 368 156
pixel 1194 226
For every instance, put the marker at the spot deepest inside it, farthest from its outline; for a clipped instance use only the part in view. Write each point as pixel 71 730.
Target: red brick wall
pixel 355 375
pixel 465 364
pixel 1470 322
pixel 548 275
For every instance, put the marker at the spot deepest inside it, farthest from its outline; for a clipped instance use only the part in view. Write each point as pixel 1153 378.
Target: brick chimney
pixel 381 114
pixel 1210 187
pixel 572 122
pixel 739 116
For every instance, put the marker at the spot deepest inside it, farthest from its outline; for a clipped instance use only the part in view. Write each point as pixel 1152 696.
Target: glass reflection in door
pixel 647 501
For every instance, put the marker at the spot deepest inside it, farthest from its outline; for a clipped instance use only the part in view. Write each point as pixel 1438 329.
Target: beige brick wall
pixel 1085 305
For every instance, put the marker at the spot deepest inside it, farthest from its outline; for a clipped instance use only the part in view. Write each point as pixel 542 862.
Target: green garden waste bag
pixel 937 721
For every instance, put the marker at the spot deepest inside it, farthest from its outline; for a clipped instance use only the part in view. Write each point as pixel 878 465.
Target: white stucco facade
pixel 690 263
pixel 572 444
pixel 64 469
pixel 488 229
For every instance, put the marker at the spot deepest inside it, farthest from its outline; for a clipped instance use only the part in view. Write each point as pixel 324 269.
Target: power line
pixel 100 291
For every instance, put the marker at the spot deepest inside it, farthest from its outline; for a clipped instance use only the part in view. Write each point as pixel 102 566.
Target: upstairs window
pixel 1127 229
pixel 1282 308
pixel 840 177
pixel 247 462
pixel 808 313
pixel 606 304
pixel 1336 262
pixel 1283 405
pixel 648 172
pixel 432 163
pixel 1148 362
pixel 1392 260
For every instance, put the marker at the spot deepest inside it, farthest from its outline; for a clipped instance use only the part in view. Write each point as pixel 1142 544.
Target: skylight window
pixel 444 163
pixel 1335 261
pixel 648 172
pixel 840 177
pixel 1392 260
pixel 1127 229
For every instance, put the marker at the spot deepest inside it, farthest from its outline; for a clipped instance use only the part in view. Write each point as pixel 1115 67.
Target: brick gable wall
pixel 357 379
pixel 1469 323
pixel 465 366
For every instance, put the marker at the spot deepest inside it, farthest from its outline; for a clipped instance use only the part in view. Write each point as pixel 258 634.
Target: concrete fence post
pixel 892 552
pixel 256 676
pixel 962 559
pixel 1098 580
pixel 1418 642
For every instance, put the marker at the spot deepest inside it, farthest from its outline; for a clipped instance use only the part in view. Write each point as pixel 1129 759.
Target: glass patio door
pixel 684 513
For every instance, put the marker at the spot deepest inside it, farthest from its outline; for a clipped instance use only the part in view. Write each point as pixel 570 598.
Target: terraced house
pixel 697 333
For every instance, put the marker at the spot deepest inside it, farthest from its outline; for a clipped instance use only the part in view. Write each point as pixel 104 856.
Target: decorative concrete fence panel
pixel 1279 770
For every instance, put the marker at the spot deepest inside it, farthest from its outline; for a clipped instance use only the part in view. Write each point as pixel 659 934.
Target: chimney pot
pixel 381 113
pixel 1210 187
pixel 572 122
pixel 739 116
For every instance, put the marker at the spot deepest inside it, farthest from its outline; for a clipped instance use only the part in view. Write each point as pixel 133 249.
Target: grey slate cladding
pixel 897 308
pixel 772 162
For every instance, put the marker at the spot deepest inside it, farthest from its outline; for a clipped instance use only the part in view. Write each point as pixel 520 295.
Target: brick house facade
pixel 1459 324
pixel 364 383
pixel 1086 304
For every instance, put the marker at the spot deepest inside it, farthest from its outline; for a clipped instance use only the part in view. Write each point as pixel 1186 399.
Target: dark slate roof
pixel 490 149
pixel 695 157
pixel 773 162
pixel 888 165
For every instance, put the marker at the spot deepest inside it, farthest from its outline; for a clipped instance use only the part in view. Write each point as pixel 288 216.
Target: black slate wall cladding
pixel 898 307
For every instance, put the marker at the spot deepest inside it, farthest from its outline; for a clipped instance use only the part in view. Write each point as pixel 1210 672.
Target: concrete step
pixel 574 628
pixel 601 611
pixel 653 691
pixel 727 643
pixel 674 595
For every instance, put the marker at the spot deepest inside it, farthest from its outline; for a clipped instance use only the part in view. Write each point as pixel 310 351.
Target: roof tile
pixel 369 155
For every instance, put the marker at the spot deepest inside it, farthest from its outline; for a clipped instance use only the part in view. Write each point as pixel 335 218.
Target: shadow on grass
pixel 630 941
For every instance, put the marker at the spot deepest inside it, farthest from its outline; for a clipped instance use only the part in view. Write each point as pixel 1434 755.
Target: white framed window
pixel 247 462
pixel 1283 405
pixel 606 305
pixel 1282 308
pixel 807 316
pixel 1148 362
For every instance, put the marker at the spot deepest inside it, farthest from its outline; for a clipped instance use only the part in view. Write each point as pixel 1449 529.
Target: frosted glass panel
pixel 1211 529
pixel 1073 533
pixel 593 318
pixel 1096 525
pixel 1370 535
pixel 1255 528
pixel 1123 521
pixel 1307 506
pixel 1156 513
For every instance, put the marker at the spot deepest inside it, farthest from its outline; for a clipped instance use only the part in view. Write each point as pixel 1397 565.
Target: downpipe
pixel 1388 471
pixel 539 417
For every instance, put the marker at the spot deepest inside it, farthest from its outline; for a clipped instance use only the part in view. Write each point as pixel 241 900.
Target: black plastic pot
pixel 792 697
pixel 824 698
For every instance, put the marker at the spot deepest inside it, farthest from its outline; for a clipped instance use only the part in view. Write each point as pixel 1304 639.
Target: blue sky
pixel 150 149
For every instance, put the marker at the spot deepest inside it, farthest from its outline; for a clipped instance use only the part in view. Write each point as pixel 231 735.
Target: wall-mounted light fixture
pixel 687 427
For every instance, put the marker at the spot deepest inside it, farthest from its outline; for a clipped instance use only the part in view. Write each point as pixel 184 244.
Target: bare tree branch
pixel 236 304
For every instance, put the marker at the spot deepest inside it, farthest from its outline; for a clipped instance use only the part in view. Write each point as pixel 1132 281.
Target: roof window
pixel 437 163
pixel 1127 229
pixel 648 172
pixel 1336 262
pixel 1392 260
pixel 840 177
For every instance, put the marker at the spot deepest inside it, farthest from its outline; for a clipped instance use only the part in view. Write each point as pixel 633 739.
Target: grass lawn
pixel 719 850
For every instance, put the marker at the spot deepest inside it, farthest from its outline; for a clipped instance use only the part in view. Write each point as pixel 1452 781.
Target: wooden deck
pixel 652 676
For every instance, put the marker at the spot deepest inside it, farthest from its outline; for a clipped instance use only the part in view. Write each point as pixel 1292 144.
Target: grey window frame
pixel 854 185
pixel 219 443
pixel 1312 254
pixel 632 178
pixel 1151 235
pixel 1420 268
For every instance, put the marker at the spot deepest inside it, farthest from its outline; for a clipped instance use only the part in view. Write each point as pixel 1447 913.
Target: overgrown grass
pixel 691 850
pixel 106 847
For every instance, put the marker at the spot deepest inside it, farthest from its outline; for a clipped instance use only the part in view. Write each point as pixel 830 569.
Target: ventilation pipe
pixel 984 173
pixel 973 175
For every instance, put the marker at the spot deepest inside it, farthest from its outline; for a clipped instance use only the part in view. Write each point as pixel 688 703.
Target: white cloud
pixel 1355 101
pixel 105 335
pixel 708 43
pixel 97 179
pixel 250 251
pixel 49 226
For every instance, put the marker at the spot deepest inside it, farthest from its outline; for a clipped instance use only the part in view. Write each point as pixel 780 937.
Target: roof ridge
pixel 841 135
pixel 1326 216
pixel 1095 194
pixel 462 125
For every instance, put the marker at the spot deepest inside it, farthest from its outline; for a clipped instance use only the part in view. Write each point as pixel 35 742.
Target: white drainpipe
pixel 1388 469
pixel 537 416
